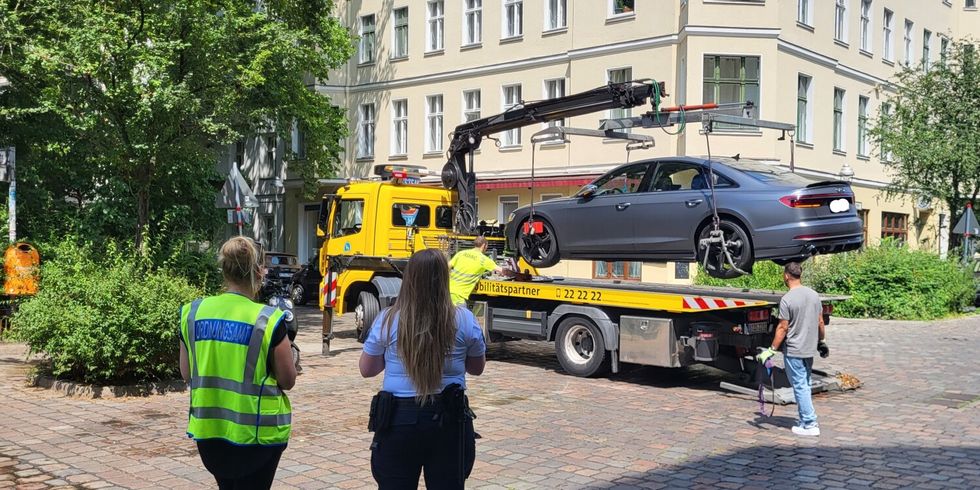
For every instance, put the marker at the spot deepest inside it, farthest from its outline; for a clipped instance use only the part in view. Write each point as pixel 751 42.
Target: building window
pixel 886 113
pixel 863 214
pixel 433 127
pixel 971 4
pixel 943 49
pixel 505 206
pixel 548 197
pixel 926 40
pixel 895 225
pixel 803 116
pixel 838 119
pixel 399 127
pixel 862 126
pixel 473 22
pixel 840 21
pixel 399 45
pixel 803 12
pixel 471 105
pixel 436 34
pixel 730 79
pixel 628 271
pixel 620 7
pixel 240 153
pixel 866 25
pixel 270 151
pixel 552 90
pixel 365 133
pixel 908 42
pixel 554 15
pixel 269 225
pixel 620 75
pixel 886 26
pixel 297 140
pixel 513 18
pixel 511 98
pixel 367 44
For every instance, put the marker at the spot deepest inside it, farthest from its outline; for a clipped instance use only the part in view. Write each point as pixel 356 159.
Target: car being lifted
pixel 661 209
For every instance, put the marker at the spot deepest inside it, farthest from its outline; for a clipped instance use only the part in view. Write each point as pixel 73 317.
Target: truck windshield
pixel 347 220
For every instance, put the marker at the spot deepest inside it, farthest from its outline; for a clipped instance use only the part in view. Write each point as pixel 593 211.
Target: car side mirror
pixel 588 190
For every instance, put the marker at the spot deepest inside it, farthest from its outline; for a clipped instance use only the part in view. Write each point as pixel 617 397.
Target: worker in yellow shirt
pixel 468 267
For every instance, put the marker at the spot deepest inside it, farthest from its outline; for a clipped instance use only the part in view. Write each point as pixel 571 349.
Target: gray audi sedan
pixel 660 209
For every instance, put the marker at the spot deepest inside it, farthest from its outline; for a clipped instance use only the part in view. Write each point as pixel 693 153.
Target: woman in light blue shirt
pixel 425 346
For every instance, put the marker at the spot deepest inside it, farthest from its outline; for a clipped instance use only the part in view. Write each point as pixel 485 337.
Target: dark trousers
pixel 240 467
pixel 399 454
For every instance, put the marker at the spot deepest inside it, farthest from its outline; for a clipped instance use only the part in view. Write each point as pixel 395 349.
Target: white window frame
pixel 862 137
pixel 804 12
pixel 909 41
pixel 886 111
pixel 840 20
pixel 399 51
pixel 517 7
pixel 943 49
pixel 367 45
pixel 473 10
pixel 512 137
pixel 612 14
pixel 806 135
pixel 888 35
pixel 399 146
pixel 867 26
pixel 471 113
pixel 366 124
pixel 434 110
pixel 548 94
pixel 839 121
pixel 926 49
pixel 507 199
pixel 557 7
pixel 435 33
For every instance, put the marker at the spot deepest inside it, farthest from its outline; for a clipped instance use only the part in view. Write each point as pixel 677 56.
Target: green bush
pixel 104 318
pixel 890 281
pixel 765 275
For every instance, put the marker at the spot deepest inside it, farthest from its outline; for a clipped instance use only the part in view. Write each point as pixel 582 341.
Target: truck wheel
pixel 580 347
pixel 364 313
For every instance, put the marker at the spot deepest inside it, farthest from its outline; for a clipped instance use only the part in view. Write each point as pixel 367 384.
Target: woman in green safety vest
pixel 234 355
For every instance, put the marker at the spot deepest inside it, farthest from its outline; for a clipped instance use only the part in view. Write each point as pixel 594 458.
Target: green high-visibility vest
pixel 467 268
pixel 234 394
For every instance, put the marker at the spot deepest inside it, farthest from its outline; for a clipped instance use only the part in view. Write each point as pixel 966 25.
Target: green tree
pixel 120 108
pixel 928 132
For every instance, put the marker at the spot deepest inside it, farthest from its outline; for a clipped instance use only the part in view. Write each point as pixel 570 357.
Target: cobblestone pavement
pixel 915 423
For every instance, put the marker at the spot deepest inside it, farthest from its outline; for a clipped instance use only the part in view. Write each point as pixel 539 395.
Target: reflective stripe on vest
pixel 243 412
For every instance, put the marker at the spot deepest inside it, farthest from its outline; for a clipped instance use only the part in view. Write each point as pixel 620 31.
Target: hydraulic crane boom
pixel 466 138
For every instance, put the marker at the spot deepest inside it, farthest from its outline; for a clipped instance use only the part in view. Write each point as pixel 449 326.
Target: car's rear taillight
pixel 812 200
pixel 758 315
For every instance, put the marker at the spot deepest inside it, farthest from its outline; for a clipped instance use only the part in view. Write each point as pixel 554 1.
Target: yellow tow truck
pixel 370 227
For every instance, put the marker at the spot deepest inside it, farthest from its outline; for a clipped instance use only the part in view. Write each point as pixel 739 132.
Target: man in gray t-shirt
pixel 801 327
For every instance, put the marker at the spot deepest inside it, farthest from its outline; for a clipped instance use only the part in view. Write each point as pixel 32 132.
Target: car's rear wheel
pixel 537 243
pixel 738 245
pixel 298 294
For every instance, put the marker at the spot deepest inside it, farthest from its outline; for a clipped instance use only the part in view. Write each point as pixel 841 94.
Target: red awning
pixel 526 183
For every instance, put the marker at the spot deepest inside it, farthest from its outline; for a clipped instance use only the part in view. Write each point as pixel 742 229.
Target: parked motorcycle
pixel 275 293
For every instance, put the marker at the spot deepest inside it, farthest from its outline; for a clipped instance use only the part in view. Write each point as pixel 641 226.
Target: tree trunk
pixel 142 219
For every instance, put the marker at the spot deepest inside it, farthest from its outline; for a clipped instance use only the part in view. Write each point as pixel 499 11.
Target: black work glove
pixel 823 349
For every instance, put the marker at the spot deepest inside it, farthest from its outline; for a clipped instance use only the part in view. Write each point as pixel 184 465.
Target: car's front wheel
pixel 737 244
pixel 298 294
pixel 537 243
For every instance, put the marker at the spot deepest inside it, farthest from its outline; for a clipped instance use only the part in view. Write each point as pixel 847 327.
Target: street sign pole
pixel 11 157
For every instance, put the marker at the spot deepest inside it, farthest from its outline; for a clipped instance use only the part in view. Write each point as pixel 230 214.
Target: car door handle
pixel 693 202
pixel 623 205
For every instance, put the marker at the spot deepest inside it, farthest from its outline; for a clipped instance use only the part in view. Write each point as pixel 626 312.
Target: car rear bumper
pixel 826 236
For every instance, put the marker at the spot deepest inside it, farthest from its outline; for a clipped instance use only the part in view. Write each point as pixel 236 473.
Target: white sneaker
pixel 806 431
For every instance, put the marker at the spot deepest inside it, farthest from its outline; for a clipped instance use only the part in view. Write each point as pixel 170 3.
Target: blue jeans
pixel 798 371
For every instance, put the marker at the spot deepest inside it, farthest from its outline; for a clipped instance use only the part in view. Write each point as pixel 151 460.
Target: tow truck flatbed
pixel 671 298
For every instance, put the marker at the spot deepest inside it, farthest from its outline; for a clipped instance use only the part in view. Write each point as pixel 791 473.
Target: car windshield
pixel 275 260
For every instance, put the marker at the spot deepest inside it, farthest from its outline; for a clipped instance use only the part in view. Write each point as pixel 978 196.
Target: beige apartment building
pixel 422 67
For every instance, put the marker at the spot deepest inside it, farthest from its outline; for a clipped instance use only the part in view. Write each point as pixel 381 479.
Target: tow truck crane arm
pixel 466 138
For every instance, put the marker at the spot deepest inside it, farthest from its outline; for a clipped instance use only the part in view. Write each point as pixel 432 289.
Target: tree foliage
pixel 932 130
pixel 120 108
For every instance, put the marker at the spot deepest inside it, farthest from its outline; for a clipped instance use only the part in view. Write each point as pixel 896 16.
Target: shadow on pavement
pixel 817 466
